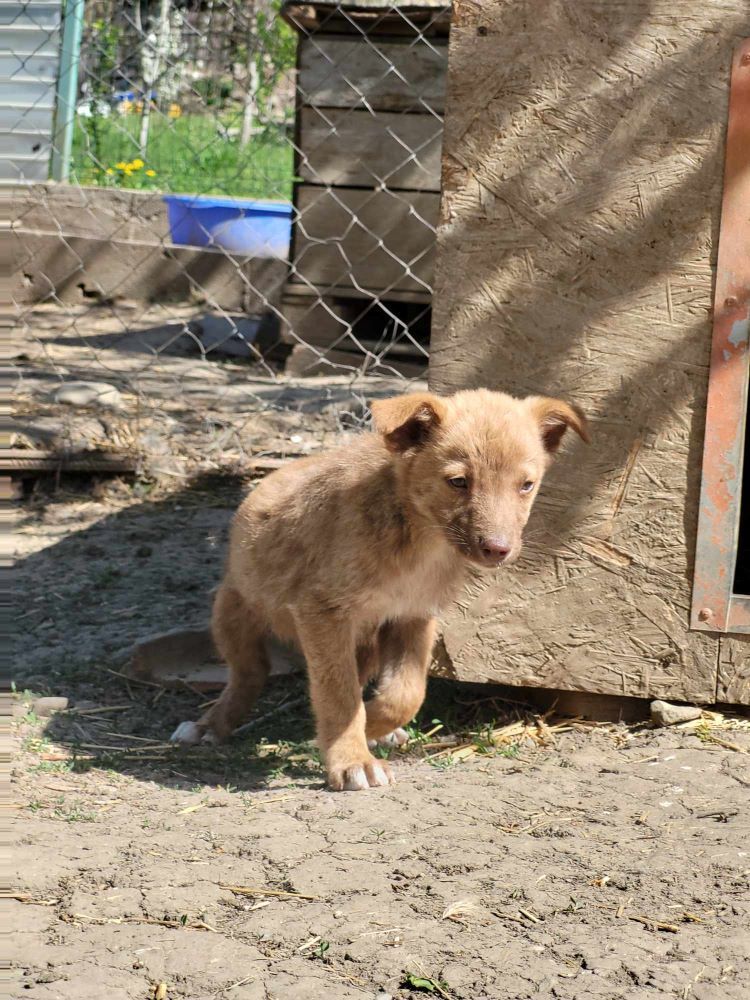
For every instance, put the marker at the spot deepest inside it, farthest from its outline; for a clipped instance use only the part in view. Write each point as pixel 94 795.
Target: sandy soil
pixel 612 862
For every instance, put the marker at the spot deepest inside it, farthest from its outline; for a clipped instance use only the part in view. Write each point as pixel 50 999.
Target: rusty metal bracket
pixel 715 608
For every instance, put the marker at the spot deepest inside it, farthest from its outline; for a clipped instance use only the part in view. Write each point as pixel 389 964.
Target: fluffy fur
pixel 352 553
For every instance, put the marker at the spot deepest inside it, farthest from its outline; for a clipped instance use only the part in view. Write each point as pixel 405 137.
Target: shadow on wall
pixel 586 181
pixel 147 568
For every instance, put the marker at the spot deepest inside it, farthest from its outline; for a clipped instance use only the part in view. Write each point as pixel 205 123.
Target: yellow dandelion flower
pixel 150 173
pixel 121 165
pixel 137 164
pixel 109 171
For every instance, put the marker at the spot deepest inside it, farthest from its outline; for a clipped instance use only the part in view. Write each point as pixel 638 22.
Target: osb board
pixel 582 192
pixel 362 72
pixel 734 670
pixel 366 238
pixel 359 149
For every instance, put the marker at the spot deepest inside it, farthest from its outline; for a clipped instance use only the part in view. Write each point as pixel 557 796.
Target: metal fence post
pixel 67 90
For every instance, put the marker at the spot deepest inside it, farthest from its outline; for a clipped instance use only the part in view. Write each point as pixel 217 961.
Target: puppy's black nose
pixel 494 549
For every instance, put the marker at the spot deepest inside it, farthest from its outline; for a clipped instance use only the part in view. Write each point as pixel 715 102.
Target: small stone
pixel 383 996
pixel 48 706
pixel 663 713
pixel 90 394
pixel 228 335
pixel 338 914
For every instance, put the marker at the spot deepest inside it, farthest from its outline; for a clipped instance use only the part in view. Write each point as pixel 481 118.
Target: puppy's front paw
pixel 190 734
pixel 356 776
pixel 395 739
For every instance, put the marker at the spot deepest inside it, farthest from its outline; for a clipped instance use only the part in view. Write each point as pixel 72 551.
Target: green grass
pixel 189 155
pixel 51 767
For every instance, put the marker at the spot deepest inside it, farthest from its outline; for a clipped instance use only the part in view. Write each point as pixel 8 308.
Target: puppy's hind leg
pixel 239 640
pixel 405 650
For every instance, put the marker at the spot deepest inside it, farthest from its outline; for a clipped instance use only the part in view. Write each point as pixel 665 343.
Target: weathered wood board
pixel 375 17
pixel 358 149
pixel 340 72
pixel 581 199
pixel 366 238
pixel 99 213
pixel 75 268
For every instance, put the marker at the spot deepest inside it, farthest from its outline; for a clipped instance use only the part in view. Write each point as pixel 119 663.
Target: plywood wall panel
pixel 734 671
pixel 582 169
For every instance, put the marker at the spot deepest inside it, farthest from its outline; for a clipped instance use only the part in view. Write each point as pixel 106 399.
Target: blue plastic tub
pixel 257 228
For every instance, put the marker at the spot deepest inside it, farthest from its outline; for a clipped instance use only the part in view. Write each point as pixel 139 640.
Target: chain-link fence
pixel 223 216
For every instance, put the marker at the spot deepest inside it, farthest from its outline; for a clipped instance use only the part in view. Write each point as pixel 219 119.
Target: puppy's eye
pixel 458 482
pixel 528 486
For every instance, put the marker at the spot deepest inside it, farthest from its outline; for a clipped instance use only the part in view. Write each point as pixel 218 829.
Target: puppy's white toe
pixel 379 777
pixel 188 733
pixel 209 738
pixel 395 739
pixel 356 780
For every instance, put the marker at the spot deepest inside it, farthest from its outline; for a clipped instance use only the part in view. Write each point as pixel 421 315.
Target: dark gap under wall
pixel 742 571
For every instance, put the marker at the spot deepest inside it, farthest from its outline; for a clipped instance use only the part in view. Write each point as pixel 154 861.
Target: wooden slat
pixel 22 460
pixel 296 289
pixel 427 19
pixel 356 148
pixel 387 76
pixel 306 362
pixel 337 239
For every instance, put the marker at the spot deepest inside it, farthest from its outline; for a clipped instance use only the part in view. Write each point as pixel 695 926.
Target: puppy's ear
pixel 407 421
pixel 554 417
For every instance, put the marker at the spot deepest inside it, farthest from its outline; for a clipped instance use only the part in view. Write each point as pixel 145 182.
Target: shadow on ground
pixel 127 566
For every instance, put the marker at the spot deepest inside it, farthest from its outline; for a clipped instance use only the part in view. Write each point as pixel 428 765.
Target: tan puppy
pixel 352 553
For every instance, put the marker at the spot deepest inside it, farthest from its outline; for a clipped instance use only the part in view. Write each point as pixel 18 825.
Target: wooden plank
pixel 378 240
pixel 76 266
pixel 380 18
pixel 582 192
pixel 19 461
pixel 305 362
pixel 340 72
pixel 311 320
pixel 359 149
pixel 300 290
pixel 97 213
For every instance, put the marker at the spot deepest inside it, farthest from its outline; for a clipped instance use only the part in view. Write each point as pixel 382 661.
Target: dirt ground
pixel 563 860
pixel 598 861
pixel 177 407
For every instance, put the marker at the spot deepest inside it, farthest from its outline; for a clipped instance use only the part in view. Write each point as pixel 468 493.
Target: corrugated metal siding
pixel 29 57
